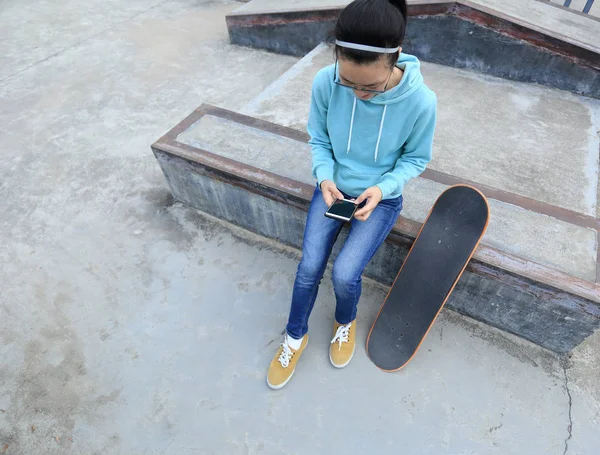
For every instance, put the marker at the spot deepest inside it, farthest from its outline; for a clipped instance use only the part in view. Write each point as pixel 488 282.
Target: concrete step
pixel 528 41
pixel 535 14
pixel 256 174
pixel 534 149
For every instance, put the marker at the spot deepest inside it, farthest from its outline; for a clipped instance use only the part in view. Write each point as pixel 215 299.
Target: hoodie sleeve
pixel 322 152
pixel 416 153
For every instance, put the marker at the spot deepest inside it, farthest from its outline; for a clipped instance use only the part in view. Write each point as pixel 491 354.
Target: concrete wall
pixel 500 49
pixel 556 320
pixel 453 41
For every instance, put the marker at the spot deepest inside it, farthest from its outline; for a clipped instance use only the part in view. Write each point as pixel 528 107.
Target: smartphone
pixel 342 209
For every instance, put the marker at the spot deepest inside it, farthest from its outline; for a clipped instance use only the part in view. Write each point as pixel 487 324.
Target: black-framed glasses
pixel 354 87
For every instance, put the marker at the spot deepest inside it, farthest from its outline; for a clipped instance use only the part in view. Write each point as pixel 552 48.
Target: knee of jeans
pixel 345 277
pixel 310 270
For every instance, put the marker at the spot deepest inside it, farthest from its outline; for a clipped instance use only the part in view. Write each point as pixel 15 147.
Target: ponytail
pixel 401 5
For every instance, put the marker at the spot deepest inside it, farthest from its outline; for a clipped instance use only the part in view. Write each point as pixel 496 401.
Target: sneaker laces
pixel 342 334
pixel 286 355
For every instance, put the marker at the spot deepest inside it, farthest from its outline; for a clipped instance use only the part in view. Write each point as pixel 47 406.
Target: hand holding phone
pixel 367 202
pixel 330 192
pixel 342 209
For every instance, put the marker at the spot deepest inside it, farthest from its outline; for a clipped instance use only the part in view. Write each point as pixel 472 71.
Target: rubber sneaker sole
pixel 282 385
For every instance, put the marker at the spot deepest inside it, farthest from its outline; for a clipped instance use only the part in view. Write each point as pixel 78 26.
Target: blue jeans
pixel 320 234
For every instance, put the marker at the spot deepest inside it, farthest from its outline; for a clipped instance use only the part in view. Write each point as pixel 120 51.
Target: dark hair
pixel 380 23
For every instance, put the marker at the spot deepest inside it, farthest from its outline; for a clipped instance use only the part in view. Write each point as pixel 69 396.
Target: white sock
pixel 293 342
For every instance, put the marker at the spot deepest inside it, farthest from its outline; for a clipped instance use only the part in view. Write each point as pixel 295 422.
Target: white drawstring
pixel 380 130
pixel 351 125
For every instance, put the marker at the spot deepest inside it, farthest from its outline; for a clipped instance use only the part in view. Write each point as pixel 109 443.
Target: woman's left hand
pixel 373 196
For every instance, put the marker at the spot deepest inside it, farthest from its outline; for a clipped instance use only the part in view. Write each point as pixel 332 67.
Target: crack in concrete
pixel 570 424
pixel 496 428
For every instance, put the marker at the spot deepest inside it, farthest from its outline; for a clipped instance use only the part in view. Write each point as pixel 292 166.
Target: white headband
pixel 364 47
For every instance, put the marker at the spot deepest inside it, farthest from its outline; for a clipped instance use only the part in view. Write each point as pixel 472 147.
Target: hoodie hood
pixel 411 81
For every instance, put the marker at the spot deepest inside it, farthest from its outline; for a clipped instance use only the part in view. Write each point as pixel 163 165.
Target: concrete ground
pixel 167 355
pixel 130 324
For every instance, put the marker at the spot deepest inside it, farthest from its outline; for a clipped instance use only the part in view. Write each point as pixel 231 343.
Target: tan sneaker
pixel 343 344
pixel 283 365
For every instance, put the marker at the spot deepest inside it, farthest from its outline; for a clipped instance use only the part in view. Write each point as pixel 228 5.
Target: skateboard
pixel 435 262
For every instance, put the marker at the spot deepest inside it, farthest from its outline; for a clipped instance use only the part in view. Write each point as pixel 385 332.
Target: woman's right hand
pixel 330 192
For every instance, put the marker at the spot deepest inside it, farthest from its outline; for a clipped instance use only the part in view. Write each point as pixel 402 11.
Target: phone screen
pixel 342 208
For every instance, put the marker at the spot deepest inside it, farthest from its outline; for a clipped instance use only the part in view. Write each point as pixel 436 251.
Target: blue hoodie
pixel 384 141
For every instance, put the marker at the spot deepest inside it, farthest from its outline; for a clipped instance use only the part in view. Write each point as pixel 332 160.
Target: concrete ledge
pixel 542 212
pixel 547 307
pixel 458 34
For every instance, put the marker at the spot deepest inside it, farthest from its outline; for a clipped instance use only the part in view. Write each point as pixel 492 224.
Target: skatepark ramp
pixel 523 130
